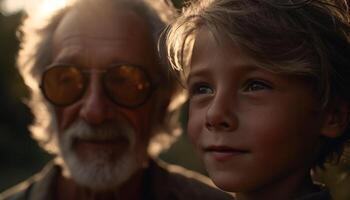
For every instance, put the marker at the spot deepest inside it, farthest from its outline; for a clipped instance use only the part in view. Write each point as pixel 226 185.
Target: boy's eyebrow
pixel 242 68
pixel 200 72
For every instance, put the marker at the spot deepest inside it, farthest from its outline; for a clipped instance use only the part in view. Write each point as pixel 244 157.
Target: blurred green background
pixel 20 156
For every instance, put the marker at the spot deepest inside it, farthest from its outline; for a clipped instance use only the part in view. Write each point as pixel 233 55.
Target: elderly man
pixel 101 97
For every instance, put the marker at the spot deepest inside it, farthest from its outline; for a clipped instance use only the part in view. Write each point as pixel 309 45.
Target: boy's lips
pixel 222 152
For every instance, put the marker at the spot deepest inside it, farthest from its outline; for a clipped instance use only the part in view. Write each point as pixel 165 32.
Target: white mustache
pixel 108 131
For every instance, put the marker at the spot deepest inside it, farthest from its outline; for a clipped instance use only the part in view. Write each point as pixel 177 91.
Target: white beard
pixel 100 170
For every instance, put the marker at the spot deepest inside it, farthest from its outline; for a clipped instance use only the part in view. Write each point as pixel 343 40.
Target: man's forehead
pixel 100 38
pixel 113 23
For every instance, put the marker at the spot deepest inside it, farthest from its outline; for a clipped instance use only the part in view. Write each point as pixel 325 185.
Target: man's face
pixel 103 143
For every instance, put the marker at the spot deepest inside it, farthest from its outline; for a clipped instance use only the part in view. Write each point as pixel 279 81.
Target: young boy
pixel 268 91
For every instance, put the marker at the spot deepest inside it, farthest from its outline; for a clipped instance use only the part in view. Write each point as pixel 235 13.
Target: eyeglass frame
pixel 83 71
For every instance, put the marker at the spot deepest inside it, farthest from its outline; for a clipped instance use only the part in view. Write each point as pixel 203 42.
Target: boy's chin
pixel 231 183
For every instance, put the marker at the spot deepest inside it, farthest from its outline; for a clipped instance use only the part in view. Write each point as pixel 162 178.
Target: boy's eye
pixel 201 89
pixel 256 85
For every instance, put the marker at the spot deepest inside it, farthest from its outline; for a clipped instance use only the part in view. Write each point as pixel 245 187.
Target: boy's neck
pixel 289 188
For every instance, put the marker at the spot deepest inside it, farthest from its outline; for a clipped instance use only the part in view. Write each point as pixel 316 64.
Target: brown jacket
pixel 164 182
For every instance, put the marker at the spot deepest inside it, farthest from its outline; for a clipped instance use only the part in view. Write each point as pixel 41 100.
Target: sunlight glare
pixel 11 6
pixel 41 10
pixel 45 7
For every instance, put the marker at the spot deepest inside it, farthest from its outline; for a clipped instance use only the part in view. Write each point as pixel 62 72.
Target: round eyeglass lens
pixel 127 85
pixel 62 85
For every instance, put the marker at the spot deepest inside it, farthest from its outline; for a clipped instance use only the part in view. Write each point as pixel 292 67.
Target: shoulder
pixel 321 193
pixel 187 184
pixel 20 191
pixel 36 187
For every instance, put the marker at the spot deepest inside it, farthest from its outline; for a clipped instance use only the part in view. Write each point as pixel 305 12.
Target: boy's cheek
pixel 195 136
pixel 193 131
pixel 194 127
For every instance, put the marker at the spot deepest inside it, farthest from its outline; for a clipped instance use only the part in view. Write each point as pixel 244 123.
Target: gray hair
pixel 36 35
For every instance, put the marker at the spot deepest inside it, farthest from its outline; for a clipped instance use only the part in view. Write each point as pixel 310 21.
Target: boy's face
pixel 254 129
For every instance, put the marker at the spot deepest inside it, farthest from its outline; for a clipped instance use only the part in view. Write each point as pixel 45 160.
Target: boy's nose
pixel 95 103
pixel 220 116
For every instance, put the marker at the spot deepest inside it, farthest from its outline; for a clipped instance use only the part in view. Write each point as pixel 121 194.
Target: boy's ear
pixel 336 120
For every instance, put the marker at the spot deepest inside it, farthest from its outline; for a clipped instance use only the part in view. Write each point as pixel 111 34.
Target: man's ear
pixel 336 120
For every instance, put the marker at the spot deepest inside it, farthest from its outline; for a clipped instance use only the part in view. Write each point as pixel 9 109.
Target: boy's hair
pixel 310 38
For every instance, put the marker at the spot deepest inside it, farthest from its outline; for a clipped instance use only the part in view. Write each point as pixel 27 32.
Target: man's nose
pixel 94 108
pixel 221 115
